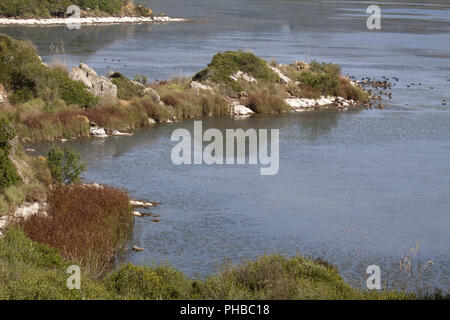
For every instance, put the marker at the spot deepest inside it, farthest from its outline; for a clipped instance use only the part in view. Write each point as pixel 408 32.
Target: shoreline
pixel 88 21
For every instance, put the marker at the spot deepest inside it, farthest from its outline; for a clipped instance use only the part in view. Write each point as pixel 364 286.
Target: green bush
pixel 8 173
pixel 137 282
pixel 22 72
pixel 33 271
pixel 35 192
pixel 126 89
pixel 65 165
pixel 225 64
pixel 3 206
pixel 325 83
pixel 14 196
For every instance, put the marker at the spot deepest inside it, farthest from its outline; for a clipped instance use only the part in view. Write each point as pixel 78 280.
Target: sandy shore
pixel 87 21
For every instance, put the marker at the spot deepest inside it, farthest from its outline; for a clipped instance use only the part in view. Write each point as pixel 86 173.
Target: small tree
pixel 65 165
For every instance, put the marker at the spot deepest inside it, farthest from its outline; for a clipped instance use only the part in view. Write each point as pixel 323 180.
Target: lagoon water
pixel 356 188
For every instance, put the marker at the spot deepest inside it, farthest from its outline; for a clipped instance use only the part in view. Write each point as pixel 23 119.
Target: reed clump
pixel 87 224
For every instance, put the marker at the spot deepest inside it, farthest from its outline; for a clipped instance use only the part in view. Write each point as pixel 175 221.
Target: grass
pixel 266 100
pixel 14 196
pixel 84 223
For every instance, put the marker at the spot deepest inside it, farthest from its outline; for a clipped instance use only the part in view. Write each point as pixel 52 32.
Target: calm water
pixel 355 188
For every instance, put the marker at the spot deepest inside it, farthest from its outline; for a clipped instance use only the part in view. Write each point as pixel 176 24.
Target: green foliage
pixel 33 271
pixel 35 192
pixel 266 101
pixel 65 165
pixel 14 196
pixel 30 270
pixel 8 173
pixel 22 72
pixel 126 89
pixel 225 64
pixel 54 8
pixel 7 133
pixel 3 206
pixel 141 79
pixel 323 77
pixel 72 92
pixel 137 282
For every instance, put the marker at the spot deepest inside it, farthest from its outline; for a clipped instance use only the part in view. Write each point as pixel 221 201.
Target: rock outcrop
pixel 240 110
pixel 3 95
pixel 304 104
pixel 284 79
pixel 197 86
pixel 153 94
pixel 238 75
pixel 97 85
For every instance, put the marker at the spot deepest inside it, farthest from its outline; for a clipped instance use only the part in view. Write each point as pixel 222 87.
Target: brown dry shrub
pixel 348 91
pixel 86 224
pixel 266 101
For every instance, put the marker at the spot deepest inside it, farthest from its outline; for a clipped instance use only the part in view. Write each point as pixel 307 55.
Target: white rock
pixel 118 133
pixel 27 210
pixel 244 76
pixel 137 203
pixel 97 85
pixel 137 214
pixel 197 86
pixel 98 132
pixel 240 110
pixel 151 121
pixel 153 94
pixel 75 21
pixel 283 78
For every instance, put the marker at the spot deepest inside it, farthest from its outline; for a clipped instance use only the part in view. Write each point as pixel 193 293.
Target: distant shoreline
pixel 87 21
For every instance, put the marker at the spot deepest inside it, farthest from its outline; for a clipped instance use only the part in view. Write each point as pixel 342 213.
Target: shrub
pixel 8 173
pixel 153 110
pixel 3 206
pixel 225 64
pixel 14 196
pixel 87 224
pixel 137 282
pixel 325 83
pixel 41 171
pixel 266 101
pixel 126 89
pixel 277 277
pixel 64 165
pixel 35 192
pixel 30 270
pixel 23 73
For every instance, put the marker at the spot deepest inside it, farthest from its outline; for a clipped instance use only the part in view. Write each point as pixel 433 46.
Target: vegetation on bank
pixel 36 271
pixel 52 8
